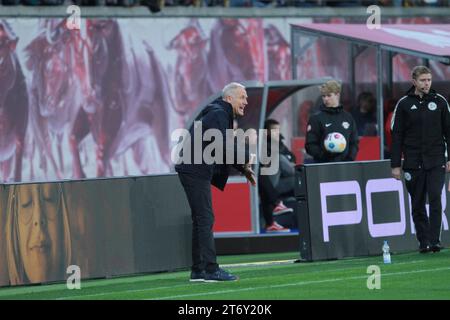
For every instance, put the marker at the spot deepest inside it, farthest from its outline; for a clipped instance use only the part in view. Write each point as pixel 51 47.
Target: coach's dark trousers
pixel 419 184
pixel 198 192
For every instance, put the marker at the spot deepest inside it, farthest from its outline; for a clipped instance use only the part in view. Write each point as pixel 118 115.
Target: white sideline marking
pixel 294 284
pixel 262 263
pixel 282 262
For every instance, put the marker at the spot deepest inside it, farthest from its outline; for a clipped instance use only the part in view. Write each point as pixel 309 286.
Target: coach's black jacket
pixel 420 130
pixel 329 120
pixel 217 115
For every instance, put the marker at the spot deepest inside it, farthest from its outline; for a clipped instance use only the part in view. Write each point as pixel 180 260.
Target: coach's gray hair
pixel 229 89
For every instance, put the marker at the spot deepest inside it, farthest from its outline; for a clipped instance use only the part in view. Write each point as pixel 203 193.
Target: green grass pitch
pixel 271 276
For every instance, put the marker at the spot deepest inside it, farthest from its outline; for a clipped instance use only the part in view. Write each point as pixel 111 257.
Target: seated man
pixel 365 114
pixel 273 188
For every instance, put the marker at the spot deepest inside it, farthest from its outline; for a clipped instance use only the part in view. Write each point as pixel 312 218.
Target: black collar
pixel 337 109
pixel 412 93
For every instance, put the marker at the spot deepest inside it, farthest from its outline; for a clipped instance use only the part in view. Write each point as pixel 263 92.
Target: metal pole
pixel 389 72
pixel 352 80
pixel 294 46
pixel 255 191
pixel 294 100
pixel 380 112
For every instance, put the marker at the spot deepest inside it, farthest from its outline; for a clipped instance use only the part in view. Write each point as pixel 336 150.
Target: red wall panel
pixel 232 208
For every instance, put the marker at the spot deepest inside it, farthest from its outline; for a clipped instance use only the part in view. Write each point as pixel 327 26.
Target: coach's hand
pixel 447 166
pixel 397 173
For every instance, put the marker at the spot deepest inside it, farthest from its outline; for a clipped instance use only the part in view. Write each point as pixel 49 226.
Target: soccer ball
pixel 335 142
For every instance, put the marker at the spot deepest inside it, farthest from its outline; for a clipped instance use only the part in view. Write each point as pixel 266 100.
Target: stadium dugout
pixel 378 61
pixel 426 44
pixel 386 56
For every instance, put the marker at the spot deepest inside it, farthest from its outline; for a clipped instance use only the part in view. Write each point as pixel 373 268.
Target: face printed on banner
pixel 39 230
pixel 3 268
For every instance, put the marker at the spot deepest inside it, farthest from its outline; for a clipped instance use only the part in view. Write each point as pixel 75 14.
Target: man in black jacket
pixel 197 177
pixel 331 118
pixel 421 131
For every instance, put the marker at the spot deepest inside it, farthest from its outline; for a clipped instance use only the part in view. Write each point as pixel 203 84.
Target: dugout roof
pixel 425 41
pixel 429 41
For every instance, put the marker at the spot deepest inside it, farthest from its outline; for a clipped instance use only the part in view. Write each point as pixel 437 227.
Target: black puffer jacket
pixel 420 130
pixel 326 121
pixel 217 115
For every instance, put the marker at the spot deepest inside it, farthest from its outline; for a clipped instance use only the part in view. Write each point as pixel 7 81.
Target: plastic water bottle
pixel 386 253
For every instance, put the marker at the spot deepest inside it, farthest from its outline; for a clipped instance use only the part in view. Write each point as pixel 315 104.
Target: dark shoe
pixel 436 248
pixel 197 276
pixel 424 248
pixel 219 275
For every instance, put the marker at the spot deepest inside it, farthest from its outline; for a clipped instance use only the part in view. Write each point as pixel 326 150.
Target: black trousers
pixel 419 184
pixel 270 195
pixel 269 198
pixel 198 192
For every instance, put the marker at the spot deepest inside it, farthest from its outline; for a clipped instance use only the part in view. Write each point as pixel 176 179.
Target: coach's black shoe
pixel 197 276
pixel 424 248
pixel 436 248
pixel 219 275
